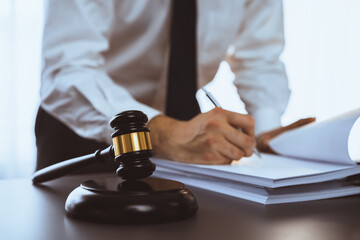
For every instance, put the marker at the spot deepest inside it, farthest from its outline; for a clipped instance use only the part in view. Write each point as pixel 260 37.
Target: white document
pixel 325 141
pixel 263 195
pixel 270 171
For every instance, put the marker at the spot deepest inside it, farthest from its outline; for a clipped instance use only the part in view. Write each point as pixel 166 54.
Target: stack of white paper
pixel 313 163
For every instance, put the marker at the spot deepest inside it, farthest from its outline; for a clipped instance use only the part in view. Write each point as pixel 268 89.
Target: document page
pixel 260 171
pixel 326 141
pixel 263 195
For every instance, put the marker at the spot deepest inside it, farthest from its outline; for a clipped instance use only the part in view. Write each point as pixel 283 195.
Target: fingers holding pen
pixel 229 150
pixel 241 140
pixel 239 130
pixel 216 149
pixel 235 143
pixel 242 121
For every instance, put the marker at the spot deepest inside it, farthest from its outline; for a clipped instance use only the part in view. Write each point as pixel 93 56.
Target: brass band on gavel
pixel 131 142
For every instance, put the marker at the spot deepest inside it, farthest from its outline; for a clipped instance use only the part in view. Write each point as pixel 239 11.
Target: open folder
pixel 313 162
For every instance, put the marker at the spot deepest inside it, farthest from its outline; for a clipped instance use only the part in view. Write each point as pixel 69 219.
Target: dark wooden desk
pixel 29 212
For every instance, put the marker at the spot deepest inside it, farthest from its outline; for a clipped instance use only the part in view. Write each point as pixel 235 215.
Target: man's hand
pixel 264 139
pixel 209 138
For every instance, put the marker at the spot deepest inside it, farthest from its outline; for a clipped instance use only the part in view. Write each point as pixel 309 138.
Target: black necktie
pixel 181 102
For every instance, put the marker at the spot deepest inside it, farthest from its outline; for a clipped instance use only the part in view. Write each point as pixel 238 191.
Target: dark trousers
pixel 56 142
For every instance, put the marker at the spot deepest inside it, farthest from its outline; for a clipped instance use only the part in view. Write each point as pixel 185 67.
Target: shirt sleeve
pixel 74 87
pixel 254 58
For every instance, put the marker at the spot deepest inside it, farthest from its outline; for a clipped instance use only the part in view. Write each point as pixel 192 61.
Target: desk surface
pixel 29 212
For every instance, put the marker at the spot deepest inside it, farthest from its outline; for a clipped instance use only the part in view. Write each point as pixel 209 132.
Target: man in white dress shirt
pixel 104 57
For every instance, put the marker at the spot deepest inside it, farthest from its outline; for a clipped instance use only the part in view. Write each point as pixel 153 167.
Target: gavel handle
pixel 62 168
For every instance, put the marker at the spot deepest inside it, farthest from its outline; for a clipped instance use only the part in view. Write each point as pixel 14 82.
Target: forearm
pixel 86 105
pixel 75 89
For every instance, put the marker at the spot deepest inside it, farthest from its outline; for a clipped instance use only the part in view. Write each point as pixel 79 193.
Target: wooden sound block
pixel 113 200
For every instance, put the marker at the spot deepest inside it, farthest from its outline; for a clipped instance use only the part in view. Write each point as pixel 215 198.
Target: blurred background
pixel 322 58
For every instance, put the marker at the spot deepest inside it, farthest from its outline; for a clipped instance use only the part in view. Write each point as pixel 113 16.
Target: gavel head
pixel 132 145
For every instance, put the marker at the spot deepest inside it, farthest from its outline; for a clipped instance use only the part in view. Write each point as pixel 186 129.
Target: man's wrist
pixel 161 127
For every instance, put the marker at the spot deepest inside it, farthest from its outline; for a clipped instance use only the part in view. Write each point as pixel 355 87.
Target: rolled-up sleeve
pixel 74 87
pixel 254 58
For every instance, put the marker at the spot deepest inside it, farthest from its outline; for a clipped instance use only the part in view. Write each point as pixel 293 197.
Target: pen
pixel 217 104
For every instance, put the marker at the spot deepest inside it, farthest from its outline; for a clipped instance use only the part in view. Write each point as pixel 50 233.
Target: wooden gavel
pixel 131 149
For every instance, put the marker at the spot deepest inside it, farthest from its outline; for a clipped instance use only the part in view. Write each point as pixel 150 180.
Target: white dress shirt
pixel 104 57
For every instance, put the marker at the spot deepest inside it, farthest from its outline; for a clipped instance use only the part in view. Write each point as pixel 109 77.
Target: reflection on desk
pixel 37 212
